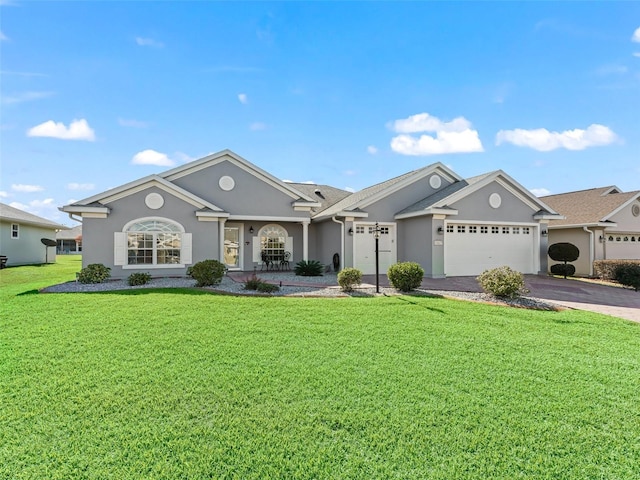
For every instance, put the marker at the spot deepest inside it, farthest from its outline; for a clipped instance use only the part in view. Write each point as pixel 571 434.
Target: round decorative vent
pixel 495 200
pixel 226 183
pixel 635 210
pixel 435 181
pixel 154 201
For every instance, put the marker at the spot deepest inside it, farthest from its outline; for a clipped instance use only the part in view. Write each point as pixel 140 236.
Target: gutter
pixel 342 240
pixel 591 250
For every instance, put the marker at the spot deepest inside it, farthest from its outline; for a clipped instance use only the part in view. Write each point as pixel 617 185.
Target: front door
pixel 365 247
pixel 232 248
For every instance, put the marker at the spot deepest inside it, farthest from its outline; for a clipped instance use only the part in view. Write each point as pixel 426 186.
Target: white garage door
pixel 472 249
pixel 365 248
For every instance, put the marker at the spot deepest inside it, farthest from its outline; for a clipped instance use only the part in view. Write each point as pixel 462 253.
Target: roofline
pixel 341 213
pixel 620 207
pixel 21 221
pixel 580 225
pixel 427 211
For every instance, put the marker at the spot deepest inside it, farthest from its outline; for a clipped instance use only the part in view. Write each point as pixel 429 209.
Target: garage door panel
pixel 365 248
pixel 470 250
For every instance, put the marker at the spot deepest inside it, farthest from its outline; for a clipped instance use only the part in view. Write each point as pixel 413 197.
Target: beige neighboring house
pixel 604 223
pixel 21 235
pixel 69 241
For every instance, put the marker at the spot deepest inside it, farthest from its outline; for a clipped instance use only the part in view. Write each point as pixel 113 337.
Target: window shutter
pixel 256 250
pixel 119 248
pixel 186 256
pixel 288 246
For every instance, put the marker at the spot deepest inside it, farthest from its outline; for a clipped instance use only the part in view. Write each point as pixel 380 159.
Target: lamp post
pixel 376 234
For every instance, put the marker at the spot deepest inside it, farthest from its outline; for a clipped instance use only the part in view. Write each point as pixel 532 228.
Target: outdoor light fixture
pixel 351 231
pixel 376 234
pixel 601 239
pixel 251 229
pixel 544 233
pixel 440 230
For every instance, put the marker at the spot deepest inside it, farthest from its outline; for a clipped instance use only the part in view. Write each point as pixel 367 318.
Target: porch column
pixel 221 222
pixel 305 241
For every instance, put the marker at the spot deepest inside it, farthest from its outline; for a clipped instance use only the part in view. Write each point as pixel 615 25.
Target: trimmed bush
pixel 264 287
pixel 564 269
pixel 310 268
pixel 405 276
pixel 207 273
pixel 94 273
pixel 138 278
pixel 606 269
pixel 348 278
pixel 502 282
pixel 628 275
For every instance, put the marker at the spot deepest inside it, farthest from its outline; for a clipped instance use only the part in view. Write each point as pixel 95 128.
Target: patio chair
pixel 284 262
pixel 265 260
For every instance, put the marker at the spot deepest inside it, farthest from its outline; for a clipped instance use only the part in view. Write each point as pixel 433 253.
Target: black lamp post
pixel 376 234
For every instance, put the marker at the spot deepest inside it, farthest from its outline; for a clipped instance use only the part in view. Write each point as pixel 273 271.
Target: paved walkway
pixel 571 293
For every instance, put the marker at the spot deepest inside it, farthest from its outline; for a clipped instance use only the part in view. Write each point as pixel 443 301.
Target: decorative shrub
pixel 405 276
pixel 252 282
pixel 628 275
pixel 207 273
pixel 348 278
pixel 502 282
pixel 606 269
pixel 267 287
pixel 94 273
pixel 564 269
pixel 310 268
pixel 138 279
pixel 563 252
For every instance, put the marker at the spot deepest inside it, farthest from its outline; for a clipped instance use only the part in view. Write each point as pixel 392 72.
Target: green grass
pixel 184 384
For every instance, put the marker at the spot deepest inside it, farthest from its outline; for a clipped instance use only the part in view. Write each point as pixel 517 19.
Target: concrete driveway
pixel 615 301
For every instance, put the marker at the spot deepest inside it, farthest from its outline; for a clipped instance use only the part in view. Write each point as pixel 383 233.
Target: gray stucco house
pixel 21 235
pixel 224 207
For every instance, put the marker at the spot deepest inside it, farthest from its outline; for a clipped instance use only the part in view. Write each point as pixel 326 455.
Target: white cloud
pixel 149 42
pixel 77 130
pixel 3 37
pixel 257 126
pixel 20 187
pixel 612 69
pixel 540 192
pixel 309 182
pixel 372 149
pixel 46 208
pixel 455 136
pixel 243 98
pixel 636 54
pixel 151 157
pixel 183 157
pixel 3 194
pixel 636 35
pixel 124 122
pixel 25 97
pixel 286 180
pixel 80 186
pixel 543 140
pixel 350 189
pixel 23 74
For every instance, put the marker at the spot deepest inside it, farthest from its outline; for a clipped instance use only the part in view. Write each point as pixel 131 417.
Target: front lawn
pixel 185 384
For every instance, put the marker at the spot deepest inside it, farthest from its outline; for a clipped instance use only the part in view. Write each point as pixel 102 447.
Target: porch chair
pixel 284 262
pixel 265 260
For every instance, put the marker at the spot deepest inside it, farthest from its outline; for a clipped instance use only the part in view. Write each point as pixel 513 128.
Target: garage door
pixel 365 248
pixel 472 249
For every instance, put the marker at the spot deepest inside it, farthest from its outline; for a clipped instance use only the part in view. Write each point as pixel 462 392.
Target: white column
pixel 305 241
pixel 221 222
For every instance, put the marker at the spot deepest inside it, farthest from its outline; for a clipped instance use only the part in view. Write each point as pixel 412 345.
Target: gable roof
pixel 70 234
pixel 365 197
pixel 228 155
pixel 444 198
pixel 589 207
pixel 12 214
pixel 325 195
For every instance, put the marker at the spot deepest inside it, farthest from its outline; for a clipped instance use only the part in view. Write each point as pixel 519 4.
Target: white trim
pixel 213 215
pixel 17 230
pixel 82 210
pixel 125 229
pixel 150 266
pixel 427 211
pixel 624 205
pixel 487 222
pixel 580 225
pixel 267 218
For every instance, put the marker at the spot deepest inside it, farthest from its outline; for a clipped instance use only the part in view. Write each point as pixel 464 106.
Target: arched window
pixel 273 240
pixel 152 242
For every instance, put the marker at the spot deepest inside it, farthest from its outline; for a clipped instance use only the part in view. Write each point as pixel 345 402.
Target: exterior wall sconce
pixel 350 231
pixel 602 239
pixel 251 229
pixel 544 233
pixel 440 230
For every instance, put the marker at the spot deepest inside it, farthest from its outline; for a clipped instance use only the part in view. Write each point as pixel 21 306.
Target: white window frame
pixel 15 229
pixel 121 246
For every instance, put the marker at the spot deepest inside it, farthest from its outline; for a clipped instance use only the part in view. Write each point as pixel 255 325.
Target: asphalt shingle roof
pixel 13 214
pixel 324 194
pixel 586 206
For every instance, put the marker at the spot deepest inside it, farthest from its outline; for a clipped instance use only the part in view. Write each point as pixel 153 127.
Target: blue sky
pixel 97 94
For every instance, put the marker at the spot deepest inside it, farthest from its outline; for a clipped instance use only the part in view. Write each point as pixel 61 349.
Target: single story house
pixel 21 235
pixel 604 223
pixel 226 208
pixel 69 241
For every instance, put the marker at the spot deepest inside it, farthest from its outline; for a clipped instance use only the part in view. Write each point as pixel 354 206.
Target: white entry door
pixel 471 249
pixel 364 244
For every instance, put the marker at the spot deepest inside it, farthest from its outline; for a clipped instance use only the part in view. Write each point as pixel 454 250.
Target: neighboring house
pixel 21 235
pixel 604 223
pixel 69 241
pixel 223 207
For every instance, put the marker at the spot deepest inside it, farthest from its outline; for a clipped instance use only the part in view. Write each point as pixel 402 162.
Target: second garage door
pixel 472 249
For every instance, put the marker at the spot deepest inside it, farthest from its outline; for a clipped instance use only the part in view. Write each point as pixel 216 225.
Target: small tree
pixel 563 252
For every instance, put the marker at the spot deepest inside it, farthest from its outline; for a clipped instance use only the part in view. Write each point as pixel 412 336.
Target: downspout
pixel 75 219
pixel 342 240
pixel 591 250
